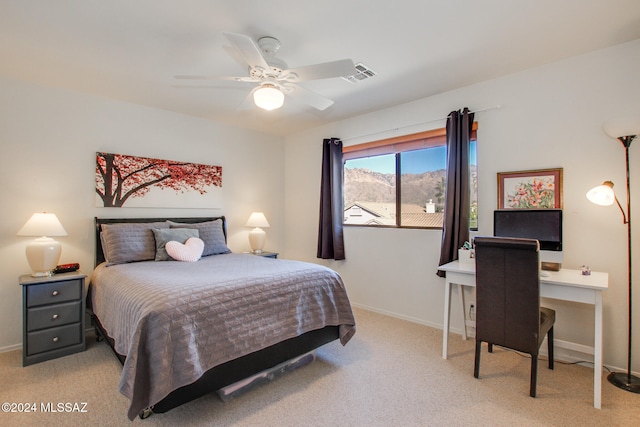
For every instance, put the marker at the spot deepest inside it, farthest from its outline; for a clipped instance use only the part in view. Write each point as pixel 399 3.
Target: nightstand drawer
pixel 54 292
pixel 53 315
pixel 51 339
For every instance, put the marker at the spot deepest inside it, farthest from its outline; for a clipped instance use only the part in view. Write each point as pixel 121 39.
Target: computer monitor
pixel 544 225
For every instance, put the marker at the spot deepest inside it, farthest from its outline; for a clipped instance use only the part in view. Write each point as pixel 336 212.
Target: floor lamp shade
pixel 621 127
pixel 44 252
pixel 257 236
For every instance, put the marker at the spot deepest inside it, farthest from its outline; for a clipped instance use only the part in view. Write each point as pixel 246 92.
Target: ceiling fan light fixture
pixel 268 97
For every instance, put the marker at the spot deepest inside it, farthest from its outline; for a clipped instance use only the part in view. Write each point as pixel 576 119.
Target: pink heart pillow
pixel 190 251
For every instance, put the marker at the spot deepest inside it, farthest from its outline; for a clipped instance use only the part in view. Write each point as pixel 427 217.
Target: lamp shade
pixel 257 219
pixel 622 127
pixel 268 97
pixel 602 194
pixel 44 252
pixel 42 224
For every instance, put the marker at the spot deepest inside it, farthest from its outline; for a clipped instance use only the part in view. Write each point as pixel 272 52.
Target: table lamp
pixel 43 253
pixel 257 236
pixel 625 131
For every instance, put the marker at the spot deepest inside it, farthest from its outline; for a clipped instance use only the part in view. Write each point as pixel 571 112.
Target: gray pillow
pixel 211 234
pixel 129 242
pixel 164 235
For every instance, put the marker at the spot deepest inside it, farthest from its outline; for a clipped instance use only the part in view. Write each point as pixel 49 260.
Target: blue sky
pixel 412 161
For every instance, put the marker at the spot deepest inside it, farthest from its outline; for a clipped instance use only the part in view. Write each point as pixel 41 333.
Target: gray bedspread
pixel 175 320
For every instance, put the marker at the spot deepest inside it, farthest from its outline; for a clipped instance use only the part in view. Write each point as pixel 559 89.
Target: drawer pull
pixel 54 317
pixel 55 339
pixel 55 293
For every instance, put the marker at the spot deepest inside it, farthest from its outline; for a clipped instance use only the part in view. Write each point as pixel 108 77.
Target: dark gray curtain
pixel 456 206
pixel 330 238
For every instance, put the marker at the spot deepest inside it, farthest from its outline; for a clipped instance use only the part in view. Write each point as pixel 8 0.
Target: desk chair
pixel 508 311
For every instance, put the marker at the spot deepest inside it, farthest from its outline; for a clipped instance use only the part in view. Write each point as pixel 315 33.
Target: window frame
pixel 397 145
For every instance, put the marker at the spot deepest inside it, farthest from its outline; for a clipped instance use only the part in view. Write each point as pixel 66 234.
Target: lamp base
pixel 43 254
pixel 625 381
pixel 42 274
pixel 257 237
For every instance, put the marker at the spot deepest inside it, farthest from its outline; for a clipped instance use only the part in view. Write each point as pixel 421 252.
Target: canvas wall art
pixel 534 189
pixel 131 181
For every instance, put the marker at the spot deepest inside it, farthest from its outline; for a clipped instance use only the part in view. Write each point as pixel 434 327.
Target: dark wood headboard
pixel 99 257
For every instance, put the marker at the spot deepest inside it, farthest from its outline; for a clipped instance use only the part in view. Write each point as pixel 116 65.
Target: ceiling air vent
pixel 362 73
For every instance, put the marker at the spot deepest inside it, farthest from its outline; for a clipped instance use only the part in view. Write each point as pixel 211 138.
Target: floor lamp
pixel 625 131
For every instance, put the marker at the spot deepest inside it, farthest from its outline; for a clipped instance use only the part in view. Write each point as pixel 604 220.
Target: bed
pixel 184 329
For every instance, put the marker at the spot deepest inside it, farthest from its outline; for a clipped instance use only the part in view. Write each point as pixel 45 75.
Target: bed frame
pixel 227 373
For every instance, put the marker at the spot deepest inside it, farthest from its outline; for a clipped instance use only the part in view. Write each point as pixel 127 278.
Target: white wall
pixel 549 117
pixel 48 140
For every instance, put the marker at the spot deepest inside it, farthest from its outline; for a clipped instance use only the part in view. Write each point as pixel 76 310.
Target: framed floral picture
pixel 534 189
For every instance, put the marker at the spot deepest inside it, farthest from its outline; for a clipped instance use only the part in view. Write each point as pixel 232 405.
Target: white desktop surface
pixel 567 285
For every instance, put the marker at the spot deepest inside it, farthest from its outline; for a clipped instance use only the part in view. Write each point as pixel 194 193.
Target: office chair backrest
pixel 508 292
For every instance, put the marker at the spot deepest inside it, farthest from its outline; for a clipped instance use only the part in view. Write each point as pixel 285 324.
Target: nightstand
pixel 52 316
pixel 273 255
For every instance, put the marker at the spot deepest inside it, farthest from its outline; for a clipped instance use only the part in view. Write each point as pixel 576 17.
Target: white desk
pixel 567 285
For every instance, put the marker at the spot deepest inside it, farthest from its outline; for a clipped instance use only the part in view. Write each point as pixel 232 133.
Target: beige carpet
pixel 390 374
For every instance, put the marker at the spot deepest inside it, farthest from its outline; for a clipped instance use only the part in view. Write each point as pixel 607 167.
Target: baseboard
pixel 403 317
pixel 11 348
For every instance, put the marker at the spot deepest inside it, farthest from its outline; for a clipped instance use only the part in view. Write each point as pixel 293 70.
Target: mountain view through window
pixel 371 188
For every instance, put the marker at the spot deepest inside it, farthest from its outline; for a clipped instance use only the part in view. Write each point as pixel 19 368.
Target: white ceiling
pixel 131 49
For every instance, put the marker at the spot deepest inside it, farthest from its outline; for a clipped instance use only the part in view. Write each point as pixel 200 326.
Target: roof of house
pixel 429 220
pixel 412 215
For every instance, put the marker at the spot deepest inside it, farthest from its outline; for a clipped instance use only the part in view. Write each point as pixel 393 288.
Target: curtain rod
pixel 496 107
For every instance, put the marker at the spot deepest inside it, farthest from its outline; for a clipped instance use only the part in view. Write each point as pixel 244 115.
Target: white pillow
pixel 164 235
pixel 190 251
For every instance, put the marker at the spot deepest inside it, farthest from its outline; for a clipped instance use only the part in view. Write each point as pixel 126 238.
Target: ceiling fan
pixel 274 79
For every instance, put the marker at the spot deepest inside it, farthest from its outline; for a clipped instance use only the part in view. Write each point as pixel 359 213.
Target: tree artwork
pixel 120 178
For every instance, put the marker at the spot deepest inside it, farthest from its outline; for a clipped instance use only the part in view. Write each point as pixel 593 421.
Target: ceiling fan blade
pixel 249 50
pixel 211 86
pixel 236 79
pixel 305 96
pixel 325 70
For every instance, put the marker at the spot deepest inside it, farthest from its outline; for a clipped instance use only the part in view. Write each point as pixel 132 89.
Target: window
pixel 400 182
